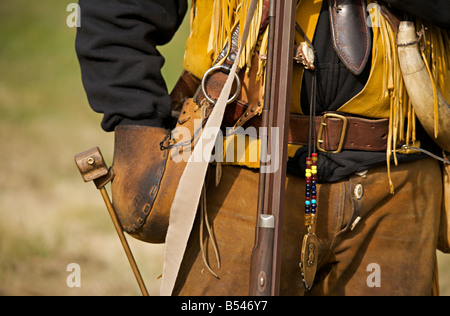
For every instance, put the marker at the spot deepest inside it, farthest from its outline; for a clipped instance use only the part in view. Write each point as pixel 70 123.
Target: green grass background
pixel 49 217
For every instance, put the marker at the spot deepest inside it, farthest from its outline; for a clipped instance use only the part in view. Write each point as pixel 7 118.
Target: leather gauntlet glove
pixel 148 167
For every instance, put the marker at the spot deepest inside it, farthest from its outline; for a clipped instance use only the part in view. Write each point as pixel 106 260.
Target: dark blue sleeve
pixel 434 11
pixel 120 64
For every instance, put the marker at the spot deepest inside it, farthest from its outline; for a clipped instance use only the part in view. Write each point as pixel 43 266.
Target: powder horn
pixel 419 86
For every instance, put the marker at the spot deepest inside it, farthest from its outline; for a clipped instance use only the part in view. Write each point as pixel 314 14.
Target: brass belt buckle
pixel 323 124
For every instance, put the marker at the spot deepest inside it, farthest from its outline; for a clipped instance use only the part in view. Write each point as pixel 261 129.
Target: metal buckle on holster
pixel 225 69
pixel 323 124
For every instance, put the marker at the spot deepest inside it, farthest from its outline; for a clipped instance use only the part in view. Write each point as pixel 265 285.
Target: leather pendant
pixel 351 36
pixel 308 264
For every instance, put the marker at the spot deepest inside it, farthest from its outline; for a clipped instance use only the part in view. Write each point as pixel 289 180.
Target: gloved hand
pixel 147 176
pixel 138 166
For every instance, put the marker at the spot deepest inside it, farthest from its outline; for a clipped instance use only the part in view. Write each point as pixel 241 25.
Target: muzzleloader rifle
pixel 266 255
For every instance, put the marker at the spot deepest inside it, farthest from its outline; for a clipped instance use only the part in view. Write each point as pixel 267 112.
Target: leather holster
pixel 147 175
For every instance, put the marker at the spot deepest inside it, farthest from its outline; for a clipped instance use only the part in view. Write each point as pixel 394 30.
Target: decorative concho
pixel 304 54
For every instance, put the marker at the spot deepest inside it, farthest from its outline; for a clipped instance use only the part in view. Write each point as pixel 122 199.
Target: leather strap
pixel 351 37
pixel 393 15
pixel 216 80
pixel 362 134
pixel 184 89
pixel 187 196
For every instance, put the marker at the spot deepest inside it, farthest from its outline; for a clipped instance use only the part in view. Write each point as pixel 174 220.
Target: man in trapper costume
pixel 375 203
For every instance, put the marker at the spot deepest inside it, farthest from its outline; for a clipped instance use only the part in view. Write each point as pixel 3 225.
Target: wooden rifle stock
pixel 266 255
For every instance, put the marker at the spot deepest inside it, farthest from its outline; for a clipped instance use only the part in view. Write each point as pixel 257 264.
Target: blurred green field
pixel 49 217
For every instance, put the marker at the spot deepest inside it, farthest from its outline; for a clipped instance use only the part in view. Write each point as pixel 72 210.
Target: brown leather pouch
pixel 444 228
pixel 148 163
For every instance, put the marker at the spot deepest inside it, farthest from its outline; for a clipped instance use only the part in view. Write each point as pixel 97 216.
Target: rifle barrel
pixel 266 256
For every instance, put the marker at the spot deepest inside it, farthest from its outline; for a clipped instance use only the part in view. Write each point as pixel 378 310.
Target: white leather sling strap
pixel 187 196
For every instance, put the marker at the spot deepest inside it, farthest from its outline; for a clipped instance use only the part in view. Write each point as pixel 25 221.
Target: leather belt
pixel 334 131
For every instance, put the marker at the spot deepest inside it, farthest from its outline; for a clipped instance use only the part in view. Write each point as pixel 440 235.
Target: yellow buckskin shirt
pixel 384 95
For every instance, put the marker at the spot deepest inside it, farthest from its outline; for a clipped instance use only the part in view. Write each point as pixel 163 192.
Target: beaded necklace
pixel 308 264
pixel 311 191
